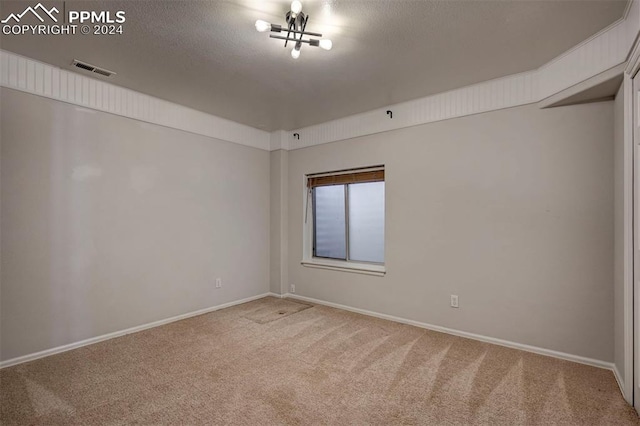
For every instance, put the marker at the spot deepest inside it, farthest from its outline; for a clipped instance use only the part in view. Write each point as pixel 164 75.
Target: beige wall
pixel 275 274
pixel 511 210
pixel 109 223
pixel 279 197
pixel 278 200
pixel 618 252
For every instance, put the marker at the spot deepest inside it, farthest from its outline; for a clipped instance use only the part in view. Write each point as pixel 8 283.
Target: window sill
pixel 336 265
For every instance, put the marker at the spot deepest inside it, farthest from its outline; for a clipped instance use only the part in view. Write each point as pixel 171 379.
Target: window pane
pixel 366 222
pixel 330 235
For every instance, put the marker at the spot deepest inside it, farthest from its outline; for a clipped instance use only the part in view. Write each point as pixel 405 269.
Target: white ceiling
pixel 207 54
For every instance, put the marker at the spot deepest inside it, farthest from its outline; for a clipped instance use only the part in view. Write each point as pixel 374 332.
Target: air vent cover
pixel 92 68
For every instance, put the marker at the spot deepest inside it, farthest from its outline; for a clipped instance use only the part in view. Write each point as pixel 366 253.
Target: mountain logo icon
pixel 34 11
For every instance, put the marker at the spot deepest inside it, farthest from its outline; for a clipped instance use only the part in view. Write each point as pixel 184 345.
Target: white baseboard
pixel 92 340
pixel 514 345
pixel 507 343
pixel 620 381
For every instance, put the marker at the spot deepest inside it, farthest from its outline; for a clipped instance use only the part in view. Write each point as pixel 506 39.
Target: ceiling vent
pixel 92 68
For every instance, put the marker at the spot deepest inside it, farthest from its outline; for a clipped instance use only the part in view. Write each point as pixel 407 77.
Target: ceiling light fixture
pixel 296 25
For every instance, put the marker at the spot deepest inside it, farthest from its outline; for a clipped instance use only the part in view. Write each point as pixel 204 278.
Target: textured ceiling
pixel 207 54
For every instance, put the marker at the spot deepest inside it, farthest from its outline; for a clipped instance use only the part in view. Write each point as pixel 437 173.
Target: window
pixel 345 219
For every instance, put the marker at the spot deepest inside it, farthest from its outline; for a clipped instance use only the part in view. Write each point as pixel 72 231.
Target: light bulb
pixel 262 26
pixel 295 53
pixel 296 7
pixel 326 44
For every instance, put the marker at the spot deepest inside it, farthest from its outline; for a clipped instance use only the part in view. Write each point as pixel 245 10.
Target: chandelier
pixel 295 29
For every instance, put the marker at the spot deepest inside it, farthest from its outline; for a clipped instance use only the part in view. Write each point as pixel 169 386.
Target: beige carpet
pixel 315 366
pixel 275 311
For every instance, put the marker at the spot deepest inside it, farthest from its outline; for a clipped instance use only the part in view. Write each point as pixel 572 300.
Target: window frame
pixel 309 259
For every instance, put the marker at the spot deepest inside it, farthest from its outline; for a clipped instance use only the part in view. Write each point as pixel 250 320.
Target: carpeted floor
pixel 252 365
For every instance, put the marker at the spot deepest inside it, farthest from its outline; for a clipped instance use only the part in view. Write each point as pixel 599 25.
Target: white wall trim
pixel 633 65
pixel 511 91
pixel 605 50
pixel 622 21
pixel 608 49
pixel 92 340
pixel 620 381
pixel 375 270
pixel 605 76
pixel 627 379
pixel 500 342
pixel 627 10
pixel 38 78
pixel 479 337
pixel 599 53
pixel 278 140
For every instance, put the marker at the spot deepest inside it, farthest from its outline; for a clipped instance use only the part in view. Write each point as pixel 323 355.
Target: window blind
pixel 346 178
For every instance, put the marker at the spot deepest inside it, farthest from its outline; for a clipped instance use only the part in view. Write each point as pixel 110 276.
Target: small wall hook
pixel 296 135
pixel 390 113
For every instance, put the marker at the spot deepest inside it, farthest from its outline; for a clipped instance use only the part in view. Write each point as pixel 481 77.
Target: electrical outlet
pixel 293 288
pixel 454 301
pixel 218 282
